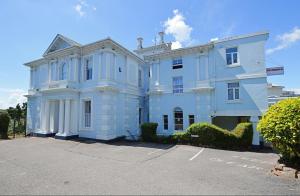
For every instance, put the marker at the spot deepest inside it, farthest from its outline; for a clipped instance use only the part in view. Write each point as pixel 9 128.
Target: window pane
pixel 237 93
pixel 191 119
pixel 230 94
pixel 235 57
pixel 230 50
pixel 233 85
pixel 177 85
pixel 228 59
pixel 178 120
pixel 165 119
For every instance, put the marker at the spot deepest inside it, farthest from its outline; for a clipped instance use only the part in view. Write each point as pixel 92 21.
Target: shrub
pixel 213 135
pixel 4 122
pixel 280 125
pixel 181 137
pixel 149 132
pixel 164 139
pixel 244 134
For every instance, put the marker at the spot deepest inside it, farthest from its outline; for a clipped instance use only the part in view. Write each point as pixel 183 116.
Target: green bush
pixel 4 122
pixel 164 139
pixel 149 132
pixel 280 125
pixel 244 134
pixel 213 135
pixel 181 137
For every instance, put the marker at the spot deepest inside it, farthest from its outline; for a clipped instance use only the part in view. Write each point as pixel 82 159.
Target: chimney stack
pixel 139 43
pixel 161 35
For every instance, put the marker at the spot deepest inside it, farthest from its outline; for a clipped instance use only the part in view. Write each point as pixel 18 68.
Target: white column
pixel 67 117
pixel 254 120
pixel 47 116
pixel 61 116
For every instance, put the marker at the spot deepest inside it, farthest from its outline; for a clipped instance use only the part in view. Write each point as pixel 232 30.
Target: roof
pixel 72 44
pixel 241 36
pixel 207 45
pixel 69 41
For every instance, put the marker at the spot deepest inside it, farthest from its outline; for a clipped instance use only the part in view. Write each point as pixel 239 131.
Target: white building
pixel 276 93
pixel 103 91
pixel 95 90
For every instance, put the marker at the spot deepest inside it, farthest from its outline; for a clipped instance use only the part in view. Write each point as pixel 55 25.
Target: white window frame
pixel 84 114
pixel 167 122
pixel 91 61
pixel 176 125
pixel 61 71
pixel 191 116
pixel 235 91
pixel 177 63
pixel 231 56
pixel 177 88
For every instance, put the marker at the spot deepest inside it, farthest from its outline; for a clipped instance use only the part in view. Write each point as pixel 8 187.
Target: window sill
pixel 234 101
pixel 234 65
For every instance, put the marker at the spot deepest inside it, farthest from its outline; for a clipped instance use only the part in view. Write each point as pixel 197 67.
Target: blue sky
pixel 27 27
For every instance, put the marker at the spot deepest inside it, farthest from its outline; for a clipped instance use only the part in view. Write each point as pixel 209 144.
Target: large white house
pixel 104 91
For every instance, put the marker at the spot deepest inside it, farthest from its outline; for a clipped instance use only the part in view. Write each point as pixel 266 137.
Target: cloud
pixel 176 45
pixel 177 27
pixel 286 40
pixel 11 97
pixel 78 9
pixel 82 7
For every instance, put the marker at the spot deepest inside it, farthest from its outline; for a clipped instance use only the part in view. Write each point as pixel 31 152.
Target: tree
pixel 280 125
pixel 12 112
pixel 19 114
pixel 24 116
pixel 4 122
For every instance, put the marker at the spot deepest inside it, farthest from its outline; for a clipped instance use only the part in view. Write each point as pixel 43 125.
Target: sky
pixel 27 27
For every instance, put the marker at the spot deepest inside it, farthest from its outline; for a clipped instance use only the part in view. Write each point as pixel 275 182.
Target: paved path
pixel 49 166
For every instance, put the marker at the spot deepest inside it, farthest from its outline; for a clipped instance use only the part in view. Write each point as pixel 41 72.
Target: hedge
pixel 149 131
pixel 212 135
pixel 4 122
pixel 203 134
pixel 280 125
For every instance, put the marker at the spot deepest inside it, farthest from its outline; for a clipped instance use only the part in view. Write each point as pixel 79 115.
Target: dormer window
pixel 177 63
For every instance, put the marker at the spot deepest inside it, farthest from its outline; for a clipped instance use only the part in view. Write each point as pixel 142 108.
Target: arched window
pixel 178 119
pixel 63 71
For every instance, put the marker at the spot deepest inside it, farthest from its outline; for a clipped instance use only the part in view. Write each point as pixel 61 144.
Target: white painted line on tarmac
pixel 196 154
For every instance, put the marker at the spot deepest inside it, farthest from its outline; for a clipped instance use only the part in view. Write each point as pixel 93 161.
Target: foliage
pixel 244 134
pixel 280 125
pixel 18 118
pixel 4 122
pixel 213 135
pixel 181 137
pixel 149 131
pixel 203 134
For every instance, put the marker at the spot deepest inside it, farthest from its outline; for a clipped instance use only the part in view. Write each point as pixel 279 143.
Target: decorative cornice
pixel 180 52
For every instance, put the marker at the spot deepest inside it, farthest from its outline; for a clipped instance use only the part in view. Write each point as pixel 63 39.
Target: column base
pixel 42 134
pixel 63 136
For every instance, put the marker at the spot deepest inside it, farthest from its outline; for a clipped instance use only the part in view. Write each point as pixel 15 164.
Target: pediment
pixel 60 42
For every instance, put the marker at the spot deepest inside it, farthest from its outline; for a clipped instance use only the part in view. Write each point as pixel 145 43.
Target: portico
pixel 57 119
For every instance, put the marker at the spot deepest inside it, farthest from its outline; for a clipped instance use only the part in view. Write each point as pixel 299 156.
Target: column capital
pixel 254 119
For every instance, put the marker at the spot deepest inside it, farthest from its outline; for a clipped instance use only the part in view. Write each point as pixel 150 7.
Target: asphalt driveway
pixel 50 166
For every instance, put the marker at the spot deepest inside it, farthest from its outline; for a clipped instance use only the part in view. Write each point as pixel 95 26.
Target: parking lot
pixel 49 166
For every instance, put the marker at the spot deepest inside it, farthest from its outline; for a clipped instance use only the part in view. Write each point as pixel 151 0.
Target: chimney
pixel 139 43
pixel 161 35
